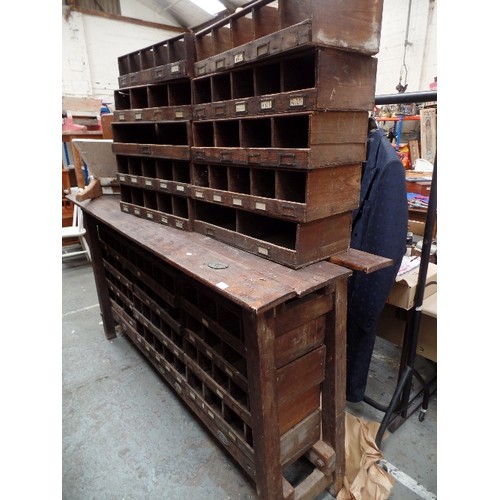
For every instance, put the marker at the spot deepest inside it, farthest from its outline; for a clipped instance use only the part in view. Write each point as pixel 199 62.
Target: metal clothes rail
pixel 403 401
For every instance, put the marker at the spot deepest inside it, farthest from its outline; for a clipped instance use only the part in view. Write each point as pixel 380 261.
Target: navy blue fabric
pixel 380 225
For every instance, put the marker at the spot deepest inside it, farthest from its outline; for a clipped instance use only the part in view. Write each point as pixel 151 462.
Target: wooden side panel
pixel 298 440
pixel 300 328
pixel 265 21
pixel 334 386
pixel 299 341
pixel 346 80
pixel 324 237
pixel 353 25
pixel 297 409
pixel 262 387
pixel 99 277
pixel 242 30
pixel 204 46
pixel 339 127
pixel 333 190
pixel 222 39
pixel 300 375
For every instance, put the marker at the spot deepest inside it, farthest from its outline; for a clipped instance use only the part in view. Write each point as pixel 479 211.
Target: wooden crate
pixel 288 243
pixel 262 367
pixel 302 140
pixel 164 98
pixel 317 78
pixel 289 194
pixel 170 59
pixel 266 27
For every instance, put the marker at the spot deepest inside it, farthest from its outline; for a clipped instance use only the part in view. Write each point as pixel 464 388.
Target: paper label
pixel 296 101
pixel 267 104
pixel 241 107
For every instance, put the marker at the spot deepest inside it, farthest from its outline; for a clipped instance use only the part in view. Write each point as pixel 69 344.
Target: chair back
pixel 77 218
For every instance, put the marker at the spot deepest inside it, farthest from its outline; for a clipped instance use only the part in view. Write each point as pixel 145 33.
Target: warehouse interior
pixel 113 425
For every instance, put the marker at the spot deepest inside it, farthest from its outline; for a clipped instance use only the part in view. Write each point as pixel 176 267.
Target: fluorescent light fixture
pixel 211 6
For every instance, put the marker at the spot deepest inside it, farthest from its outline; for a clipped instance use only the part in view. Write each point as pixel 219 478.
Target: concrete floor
pixel 126 435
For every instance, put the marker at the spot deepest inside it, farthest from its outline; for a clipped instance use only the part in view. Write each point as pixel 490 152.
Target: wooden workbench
pixel 255 349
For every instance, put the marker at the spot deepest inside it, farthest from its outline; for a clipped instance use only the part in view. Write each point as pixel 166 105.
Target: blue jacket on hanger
pixel 379 226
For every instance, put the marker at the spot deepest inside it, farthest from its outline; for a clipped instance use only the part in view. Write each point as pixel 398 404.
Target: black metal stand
pixel 402 403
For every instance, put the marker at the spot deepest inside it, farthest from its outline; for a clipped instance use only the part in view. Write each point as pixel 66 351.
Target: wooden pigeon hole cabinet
pixel 256 350
pixel 239 151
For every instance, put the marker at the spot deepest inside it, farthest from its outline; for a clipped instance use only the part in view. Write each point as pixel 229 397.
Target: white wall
pixel 421 53
pixel 91 46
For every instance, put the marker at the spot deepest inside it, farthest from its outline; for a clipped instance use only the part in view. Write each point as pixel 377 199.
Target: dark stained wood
pixel 322 456
pixel 358 260
pixel 265 21
pixel 300 375
pixel 191 253
pixel 297 409
pixel 242 31
pixel 299 439
pixel 99 276
pixel 327 191
pixel 222 39
pixel 333 402
pixel 263 396
pixel 273 384
pixel 163 113
pixel 311 242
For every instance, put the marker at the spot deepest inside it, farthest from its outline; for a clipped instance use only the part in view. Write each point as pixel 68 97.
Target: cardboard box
pixel 391 326
pixel 416 227
pixel 404 288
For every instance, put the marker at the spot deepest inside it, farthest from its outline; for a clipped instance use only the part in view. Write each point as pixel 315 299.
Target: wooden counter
pixel 255 349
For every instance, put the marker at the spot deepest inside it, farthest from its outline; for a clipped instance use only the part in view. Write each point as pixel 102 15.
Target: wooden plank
pixel 262 387
pixel 312 485
pixel 298 440
pixel 300 375
pixel 322 456
pixel 297 314
pixel 357 260
pixel 334 385
pixel 295 410
pixel 99 277
pixel 265 20
pixel 299 341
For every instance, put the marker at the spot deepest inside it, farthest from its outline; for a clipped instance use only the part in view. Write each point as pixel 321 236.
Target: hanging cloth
pixel 379 226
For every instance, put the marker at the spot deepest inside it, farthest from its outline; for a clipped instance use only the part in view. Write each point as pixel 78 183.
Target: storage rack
pixel 266 158
pixel 276 98
pixel 256 350
pixel 276 102
pixel 152 131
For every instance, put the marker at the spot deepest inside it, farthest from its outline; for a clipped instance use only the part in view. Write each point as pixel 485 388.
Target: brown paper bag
pixel 364 479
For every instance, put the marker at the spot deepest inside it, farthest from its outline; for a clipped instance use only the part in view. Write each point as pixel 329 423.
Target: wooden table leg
pixel 334 387
pixel 99 276
pixel 259 338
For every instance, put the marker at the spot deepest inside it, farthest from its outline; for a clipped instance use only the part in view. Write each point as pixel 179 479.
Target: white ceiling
pixel 185 13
